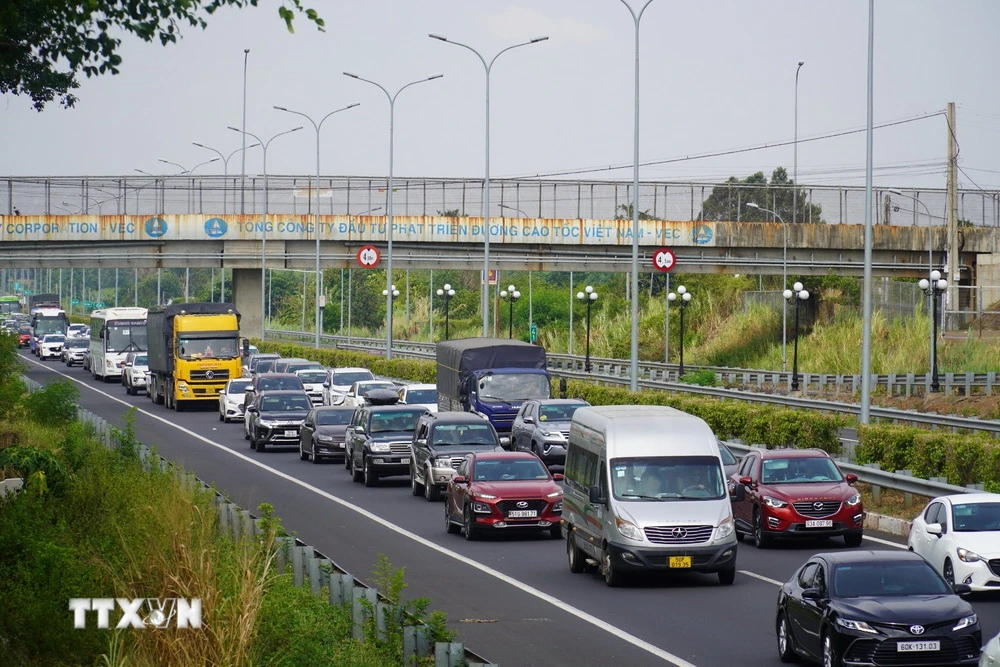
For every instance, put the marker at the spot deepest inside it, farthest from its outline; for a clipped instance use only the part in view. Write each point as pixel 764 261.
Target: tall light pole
pixel 634 369
pixel 588 296
pixel 934 288
pixel 225 167
pixel 866 302
pixel 243 160
pixel 263 242
pixel 795 150
pixel 514 208
pixel 485 288
pixel 784 282
pixel 319 275
pixel 796 295
pixel 930 251
pixel 388 271
pixel 685 297
pixel 447 293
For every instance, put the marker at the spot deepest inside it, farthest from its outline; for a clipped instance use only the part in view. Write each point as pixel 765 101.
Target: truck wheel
pixel 179 405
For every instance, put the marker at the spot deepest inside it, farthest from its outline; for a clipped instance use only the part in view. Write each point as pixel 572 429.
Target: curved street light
pixel 225 166
pixel 784 281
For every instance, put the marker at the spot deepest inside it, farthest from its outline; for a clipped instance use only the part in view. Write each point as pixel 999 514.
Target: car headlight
pixel 859 626
pixel 552 434
pixel 967 556
pixel 628 529
pixel 554 494
pixel 270 423
pixel 442 462
pixel 966 622
pixel 380 447
pixel 324 438
pixel 777 503
pixel 486 496
pixel 724 529
pixel 854 500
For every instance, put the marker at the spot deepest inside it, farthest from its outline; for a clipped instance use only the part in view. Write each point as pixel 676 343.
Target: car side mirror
pixel 505 442
pixel 746 481
pixel 851 478
pixel 458 479
pixel 528 420
pixel 252 410
pixel 811 594
pixel 242 406
pixel 421 442
pixel 935 529
pixel 326 385
pixel 961 589
pixel 739 493
pixel 558 476
pixel 359 429
pixel 595 496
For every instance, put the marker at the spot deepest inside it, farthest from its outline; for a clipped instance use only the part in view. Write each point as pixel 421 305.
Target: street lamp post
pixel 510 295
pixel 795 148
pixel 389 230
pixel 685 297
pixel 484 288
pixel 784 282
pixel 795 295
pixel 190 194
pixel 589 296
pixel 514 208
pixel 930 247
pixel 263 244
pixel 933 288
pixel 225 167
pixel 319 275
pixel 390 295
pixel 446 293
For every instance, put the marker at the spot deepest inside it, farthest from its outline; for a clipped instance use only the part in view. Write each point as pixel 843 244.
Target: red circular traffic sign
pixel 369 257
pixel 664 259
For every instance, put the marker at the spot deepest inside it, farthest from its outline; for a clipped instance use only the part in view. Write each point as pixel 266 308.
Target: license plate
pixel 522 514
pixel 291 434
pixel 404 460
pixel 680 561
pixel 910 647
pixel 819 523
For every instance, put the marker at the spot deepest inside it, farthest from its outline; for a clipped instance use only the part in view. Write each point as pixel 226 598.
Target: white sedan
pixel 424 395
pixel 959 536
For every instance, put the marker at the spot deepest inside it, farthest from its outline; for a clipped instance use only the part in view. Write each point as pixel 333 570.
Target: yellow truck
pixel 194 349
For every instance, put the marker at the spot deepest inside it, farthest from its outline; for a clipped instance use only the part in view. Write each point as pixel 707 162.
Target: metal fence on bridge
pixel 512 198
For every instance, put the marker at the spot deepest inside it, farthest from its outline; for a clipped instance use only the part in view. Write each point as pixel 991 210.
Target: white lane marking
pixel 761 577
pixel 886 542
pixel 525 588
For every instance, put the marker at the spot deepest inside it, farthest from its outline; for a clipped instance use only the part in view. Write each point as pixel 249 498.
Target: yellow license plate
pixel 680 561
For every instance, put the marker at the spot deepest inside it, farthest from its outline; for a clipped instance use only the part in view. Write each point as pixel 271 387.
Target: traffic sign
pixel 99 305
pixel 17 286
pixel 369 257
pixel 534 332
pixel 664 259
pixel 75 302
pixel 88 304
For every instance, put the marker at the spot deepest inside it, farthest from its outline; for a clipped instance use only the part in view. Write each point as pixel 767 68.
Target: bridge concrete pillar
pixel 247 288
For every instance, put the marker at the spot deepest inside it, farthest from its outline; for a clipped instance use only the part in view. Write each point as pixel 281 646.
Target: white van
pixel 645 492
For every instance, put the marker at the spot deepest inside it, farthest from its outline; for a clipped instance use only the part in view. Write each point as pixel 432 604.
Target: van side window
pixel 604 479
pixel 581 468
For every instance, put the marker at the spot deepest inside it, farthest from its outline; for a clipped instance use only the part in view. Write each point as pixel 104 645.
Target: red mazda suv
pixel 795 493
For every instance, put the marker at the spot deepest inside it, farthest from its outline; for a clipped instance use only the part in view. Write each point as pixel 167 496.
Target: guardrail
pixel 308 565
pixel 895 384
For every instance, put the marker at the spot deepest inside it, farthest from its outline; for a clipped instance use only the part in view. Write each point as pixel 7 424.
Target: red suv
pixel 794 493
pixel 496 491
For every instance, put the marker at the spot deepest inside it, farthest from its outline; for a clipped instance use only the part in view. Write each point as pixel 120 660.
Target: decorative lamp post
pixel 589 296
pixel 796 296
pixel 934 288
pixel 510 295
pixel 685 297
pixel 446 293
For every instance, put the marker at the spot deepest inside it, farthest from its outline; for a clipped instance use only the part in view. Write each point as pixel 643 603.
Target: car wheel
pixel 416 488
pixel 255 443
pixel 469 525
pixel 313 455
pixel 303 454
pixel 574 554
pixel 347 460
pixel 222 417
pixel 786 651
pixel 431 492
pixel 246 433
pixel 727 577
pixel 449 525
pixel 760 540
pixel 949 572
pixel 853 539
pixel 612 577
pixel 830 658
pixel 555 532
pixel 356 475
pixel 370 476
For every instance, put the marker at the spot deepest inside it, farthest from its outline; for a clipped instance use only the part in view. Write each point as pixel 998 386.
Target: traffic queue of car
pixel 643 489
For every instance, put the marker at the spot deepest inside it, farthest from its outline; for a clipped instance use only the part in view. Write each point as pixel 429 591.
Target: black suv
pixel 440 443
pixel 378 441
pixel 276 417
pixel 267 382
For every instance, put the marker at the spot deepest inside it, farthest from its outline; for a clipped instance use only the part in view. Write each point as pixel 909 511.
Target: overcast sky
pixel 716 76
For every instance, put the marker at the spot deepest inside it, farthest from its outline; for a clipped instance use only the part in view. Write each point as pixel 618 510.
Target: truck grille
pixel 817 508
pixel 217 376
pixel 678 534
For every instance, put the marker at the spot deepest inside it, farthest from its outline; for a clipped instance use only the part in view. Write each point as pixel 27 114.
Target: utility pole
pixel 951 268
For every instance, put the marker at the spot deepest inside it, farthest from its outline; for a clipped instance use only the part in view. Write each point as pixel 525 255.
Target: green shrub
pixel 703 377
pixel 55 403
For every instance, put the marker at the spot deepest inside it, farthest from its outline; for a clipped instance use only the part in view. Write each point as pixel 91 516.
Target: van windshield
pixel 662 478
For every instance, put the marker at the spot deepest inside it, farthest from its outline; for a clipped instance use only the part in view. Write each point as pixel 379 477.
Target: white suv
pixel 50 347
pixel 339 380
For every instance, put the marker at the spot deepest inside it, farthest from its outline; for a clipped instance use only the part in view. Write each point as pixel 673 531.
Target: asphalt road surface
pixel 512 600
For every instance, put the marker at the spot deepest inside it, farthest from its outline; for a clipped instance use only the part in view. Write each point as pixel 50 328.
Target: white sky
pixel 716 75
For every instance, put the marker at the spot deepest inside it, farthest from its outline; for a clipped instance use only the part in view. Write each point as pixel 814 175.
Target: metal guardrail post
pixel 363 603
pixel 907 497
pixel 876 489
pixel 315 578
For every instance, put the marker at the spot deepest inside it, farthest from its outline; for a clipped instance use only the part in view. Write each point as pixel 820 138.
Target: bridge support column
pixel 246 297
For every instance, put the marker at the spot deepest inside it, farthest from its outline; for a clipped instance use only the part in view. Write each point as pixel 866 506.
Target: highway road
pixel 513 601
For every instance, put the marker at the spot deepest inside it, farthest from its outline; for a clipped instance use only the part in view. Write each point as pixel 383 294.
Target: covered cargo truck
pixel 491 377
pixel 194 349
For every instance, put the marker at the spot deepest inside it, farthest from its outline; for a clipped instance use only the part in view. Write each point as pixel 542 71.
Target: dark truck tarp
pixel 43 300
pixel 160 329
pixel 456 359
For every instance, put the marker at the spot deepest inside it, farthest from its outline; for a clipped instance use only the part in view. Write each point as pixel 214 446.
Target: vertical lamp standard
pixel 934 288
pixel 319 274
pixel 795 148
pixel 685 300
pixel 796 295
pixel 390 295
pixel 589 296
pixel 225 167
pixel 510 295
pixel 485 287
pixel 446 293
pixel 784 281
pixel 263 243
pixel 388 271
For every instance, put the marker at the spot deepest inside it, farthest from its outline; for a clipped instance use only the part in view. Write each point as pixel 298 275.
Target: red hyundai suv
pixel 496 491
pixel 794 493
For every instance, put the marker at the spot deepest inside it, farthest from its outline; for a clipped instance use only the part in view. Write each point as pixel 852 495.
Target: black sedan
pixel 323 433
pixel 875 608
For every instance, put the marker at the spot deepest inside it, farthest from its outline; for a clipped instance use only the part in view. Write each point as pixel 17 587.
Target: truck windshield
pixel 208 348
pixel 509 387
pixel 46 325
pixel 124 336
pixel 664 478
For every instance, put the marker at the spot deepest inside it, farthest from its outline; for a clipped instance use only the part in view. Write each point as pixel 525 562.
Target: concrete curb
pixel 887 524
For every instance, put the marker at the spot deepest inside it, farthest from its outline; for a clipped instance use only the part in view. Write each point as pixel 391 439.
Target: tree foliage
pixel 46 44
pixel 728 202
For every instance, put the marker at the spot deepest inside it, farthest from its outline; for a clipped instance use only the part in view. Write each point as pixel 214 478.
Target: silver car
pixel 542 427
